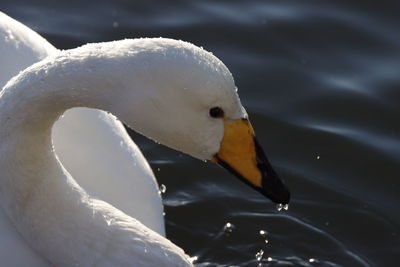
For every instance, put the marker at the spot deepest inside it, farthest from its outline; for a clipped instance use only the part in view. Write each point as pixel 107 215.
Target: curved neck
pixel 46 205
pixel 37 193
pixel 30 105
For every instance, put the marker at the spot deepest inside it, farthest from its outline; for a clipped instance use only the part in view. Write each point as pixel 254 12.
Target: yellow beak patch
pixel 238 150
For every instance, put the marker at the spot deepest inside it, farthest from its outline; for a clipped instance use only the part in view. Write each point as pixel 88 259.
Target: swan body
pixel 170 91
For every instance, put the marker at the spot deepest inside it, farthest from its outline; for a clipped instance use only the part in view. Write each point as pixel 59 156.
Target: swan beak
pixel 241 154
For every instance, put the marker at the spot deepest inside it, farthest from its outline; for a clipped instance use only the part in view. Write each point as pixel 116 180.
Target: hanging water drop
pixel 280 207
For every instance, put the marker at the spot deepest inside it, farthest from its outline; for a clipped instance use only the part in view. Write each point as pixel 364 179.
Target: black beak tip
pixel 278 194
pixel 272 186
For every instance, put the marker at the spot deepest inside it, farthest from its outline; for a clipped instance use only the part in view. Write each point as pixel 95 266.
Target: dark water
pixel 321 82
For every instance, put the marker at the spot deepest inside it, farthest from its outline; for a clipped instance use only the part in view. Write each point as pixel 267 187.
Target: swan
pixel 168 90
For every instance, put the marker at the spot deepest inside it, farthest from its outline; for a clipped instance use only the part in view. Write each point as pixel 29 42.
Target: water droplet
pixel 312 260
pixel 269 259
pixel 259 255
pixel 109 220
pixel 158 169
pixel 318 157
pixel 264 234
pixel 163 189
pixel 280 207
pixel 193 259
pixel 228 228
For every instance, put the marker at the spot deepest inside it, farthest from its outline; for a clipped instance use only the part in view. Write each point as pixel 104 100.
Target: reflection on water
pixel 320 80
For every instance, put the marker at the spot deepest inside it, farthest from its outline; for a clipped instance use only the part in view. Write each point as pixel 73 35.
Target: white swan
pixel 168 90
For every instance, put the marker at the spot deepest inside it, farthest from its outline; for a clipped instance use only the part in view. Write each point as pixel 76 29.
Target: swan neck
pixel 52 212
pixel 38 194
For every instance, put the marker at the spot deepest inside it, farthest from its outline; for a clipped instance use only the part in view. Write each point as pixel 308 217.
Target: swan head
pixel 189 102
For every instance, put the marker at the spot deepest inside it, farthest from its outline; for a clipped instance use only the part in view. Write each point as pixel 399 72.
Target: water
pixel 321 83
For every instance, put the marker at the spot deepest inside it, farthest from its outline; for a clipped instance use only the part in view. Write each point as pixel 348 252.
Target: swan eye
pixel 216 112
